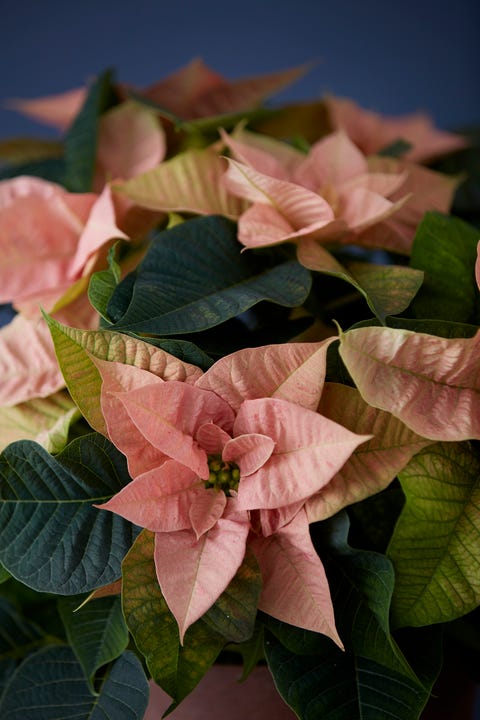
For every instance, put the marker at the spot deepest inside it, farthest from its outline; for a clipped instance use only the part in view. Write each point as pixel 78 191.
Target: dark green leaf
pixel 81 138
pixel 194 277
pixel 103 283
pixel 371 679
pixel 49 685
pixel 445 248
pixel 96 631
pixel 18 636
pixel 51 537
pixel 52 169
pixel 396 149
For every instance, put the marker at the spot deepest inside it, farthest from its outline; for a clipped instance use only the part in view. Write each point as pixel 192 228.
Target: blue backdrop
pixel 392 57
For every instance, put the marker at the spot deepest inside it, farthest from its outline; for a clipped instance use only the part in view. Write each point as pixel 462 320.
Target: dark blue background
pixel 390 56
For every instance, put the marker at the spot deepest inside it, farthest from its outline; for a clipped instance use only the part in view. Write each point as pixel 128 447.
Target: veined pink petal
pixel 57 110
pixel 381 183
pixel 309 451
pixel 118 377
pixel 289 371
pixel 206 509
pixel 299 206
pixel 131 141
pixel 40 224
pixel 28 364
pixel 262 225
pixel 169 415
pixel 248 146
pixel 268 522
pixel 101 227
pixel 427 190
pixel 331 161
pixel 249 452
pixel 160 499
pixel 361 208
pixel 212 438
pixel 192 573
pixel 430 383
pixel 372 131
pixel 295 588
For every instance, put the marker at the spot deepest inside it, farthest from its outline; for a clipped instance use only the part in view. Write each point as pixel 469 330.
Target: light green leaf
pixel 201 279
pixel 435 547
pixel 51 537
pixel 75 349
pixel 96 631
pixel 176 668
pixel 388 289
pixel 45 420
pixel 50 685
pixel 189 182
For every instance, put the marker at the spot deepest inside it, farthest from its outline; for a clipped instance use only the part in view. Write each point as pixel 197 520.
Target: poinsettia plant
pixel 239 399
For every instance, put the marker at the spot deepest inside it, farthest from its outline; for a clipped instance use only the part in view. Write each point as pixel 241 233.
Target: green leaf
pixel 81 138
pixel 103 283
pixel 51 537
pixel 388 289
pixel 445 248
pixel 435 547
pixel 395 149
pixel 96 631
pixel 18 636
pixel 233 614
pixel 252 650
pixel 75 348
pixel 194 277
pixel 372 678
pixel 51 685
pixel 176 668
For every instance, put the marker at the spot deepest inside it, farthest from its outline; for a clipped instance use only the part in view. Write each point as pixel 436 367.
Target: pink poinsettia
pixel 49 240
pixel 329 194
pixel 225 462
pixel 373 132
pixel 191 92
pixel 333 194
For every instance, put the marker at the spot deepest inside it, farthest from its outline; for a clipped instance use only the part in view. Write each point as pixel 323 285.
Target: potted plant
pixel 239 401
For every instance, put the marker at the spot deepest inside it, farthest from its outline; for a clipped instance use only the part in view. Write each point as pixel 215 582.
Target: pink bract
pixel 329 194
pixel 274 453
pixel 373 132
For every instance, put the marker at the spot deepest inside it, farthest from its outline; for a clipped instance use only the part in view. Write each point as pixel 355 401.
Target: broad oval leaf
pixel 201 279
pixel 388 289
pixel 50 684
pixel 435 547
pixel 51 537
pixel 96 631
pixel 430 383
